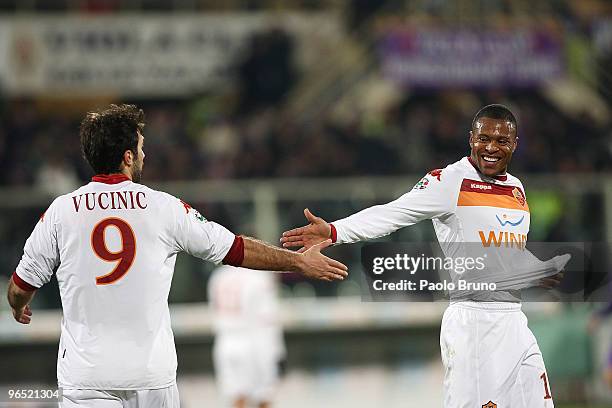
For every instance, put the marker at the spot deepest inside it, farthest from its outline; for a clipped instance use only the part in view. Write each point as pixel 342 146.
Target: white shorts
pixel 159 398
pixel 245 369
pixel 491 358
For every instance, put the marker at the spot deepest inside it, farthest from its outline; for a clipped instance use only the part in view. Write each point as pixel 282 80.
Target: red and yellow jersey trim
pixel 475 193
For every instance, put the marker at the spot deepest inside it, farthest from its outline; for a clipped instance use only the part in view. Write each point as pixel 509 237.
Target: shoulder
pixel 515 181
pixel 86 188
pixel 163 199
pixel 64 201
pixel 450 174
pixel 167 202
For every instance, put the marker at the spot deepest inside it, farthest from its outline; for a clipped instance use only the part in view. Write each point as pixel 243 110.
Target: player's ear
pixel 515 144
pixel 128 157
pixel 471 139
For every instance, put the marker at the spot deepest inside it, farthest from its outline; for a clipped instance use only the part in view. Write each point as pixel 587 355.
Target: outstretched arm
pixel 434 196
pixel 189 231
pixel 311 263
pixel 370 223
pixel 19 300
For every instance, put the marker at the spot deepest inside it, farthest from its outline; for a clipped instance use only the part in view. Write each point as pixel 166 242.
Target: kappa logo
pixel 490 404
pixel 187 206
pixel 508 222
pixel 518 194
pixel 437 173
pixel 481 186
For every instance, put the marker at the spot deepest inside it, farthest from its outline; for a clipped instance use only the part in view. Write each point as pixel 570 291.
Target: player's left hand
pixel 552 281
pixel 318 230
pixel 23 316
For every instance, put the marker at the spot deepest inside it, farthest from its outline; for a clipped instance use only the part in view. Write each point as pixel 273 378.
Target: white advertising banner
pixel 130 55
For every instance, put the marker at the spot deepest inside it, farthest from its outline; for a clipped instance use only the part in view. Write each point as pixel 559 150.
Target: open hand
pixel 23 316
pixel 309 235
pixel 315 265
pixel 552 281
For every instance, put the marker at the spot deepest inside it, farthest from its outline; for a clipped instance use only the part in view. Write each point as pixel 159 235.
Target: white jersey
pixel 465 207
pixel 112 245
pixel 245 303
pixel 248 335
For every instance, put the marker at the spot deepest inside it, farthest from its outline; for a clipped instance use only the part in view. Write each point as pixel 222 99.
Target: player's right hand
pixel 315 265
pixel 23 316
pixel 309 235
pixel 552 281
pixel 560 262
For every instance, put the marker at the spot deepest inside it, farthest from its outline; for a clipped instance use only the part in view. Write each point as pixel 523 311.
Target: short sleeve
pixel 41 252
pixel 197 236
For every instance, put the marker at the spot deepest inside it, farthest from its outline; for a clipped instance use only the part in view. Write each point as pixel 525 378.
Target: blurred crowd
pixel 199 139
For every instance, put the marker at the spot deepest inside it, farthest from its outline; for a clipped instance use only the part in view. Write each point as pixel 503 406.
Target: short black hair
pixel 108 133
pixel 495 111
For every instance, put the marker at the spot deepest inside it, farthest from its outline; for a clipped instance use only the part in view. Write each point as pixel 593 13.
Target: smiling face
pixel 492 141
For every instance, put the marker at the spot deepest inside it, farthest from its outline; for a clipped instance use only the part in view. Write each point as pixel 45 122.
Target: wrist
pixel 333 234
pixel 298 262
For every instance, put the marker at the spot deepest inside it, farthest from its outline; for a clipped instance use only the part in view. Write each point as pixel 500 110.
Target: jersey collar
pixel 110 178
pixel 503 177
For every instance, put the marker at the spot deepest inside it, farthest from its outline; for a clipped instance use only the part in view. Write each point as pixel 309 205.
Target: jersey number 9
pixel 124 257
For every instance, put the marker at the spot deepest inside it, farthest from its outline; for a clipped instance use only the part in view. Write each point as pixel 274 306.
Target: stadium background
pixel 257 109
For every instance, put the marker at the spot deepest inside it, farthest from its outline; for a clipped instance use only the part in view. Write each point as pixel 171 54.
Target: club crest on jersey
pixel 490 404
pixel 422 184
pixel 437 173
pixel 518 194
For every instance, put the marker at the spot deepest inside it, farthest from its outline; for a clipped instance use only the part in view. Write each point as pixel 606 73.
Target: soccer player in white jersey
pixel 490 356
pixel 112 245
pixel 249 342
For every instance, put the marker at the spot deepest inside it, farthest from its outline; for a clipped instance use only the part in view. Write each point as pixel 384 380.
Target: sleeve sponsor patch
pixel 195 212
pixel 422 184
pixel 199 216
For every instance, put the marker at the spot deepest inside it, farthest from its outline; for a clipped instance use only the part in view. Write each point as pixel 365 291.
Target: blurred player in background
pixel 490 356
pixel 249 344
pixel 112 245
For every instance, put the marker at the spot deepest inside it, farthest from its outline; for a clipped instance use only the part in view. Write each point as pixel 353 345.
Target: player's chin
pixel 492 169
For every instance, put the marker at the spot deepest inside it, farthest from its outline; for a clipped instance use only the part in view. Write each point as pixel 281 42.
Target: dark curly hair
pixel 107 134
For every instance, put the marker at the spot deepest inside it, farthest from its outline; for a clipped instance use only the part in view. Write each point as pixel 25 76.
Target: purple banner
pixel 442 58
